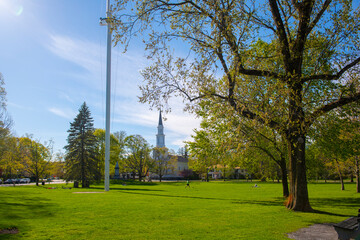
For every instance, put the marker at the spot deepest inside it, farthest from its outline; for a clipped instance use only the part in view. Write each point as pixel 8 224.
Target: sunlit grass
pixel 215 210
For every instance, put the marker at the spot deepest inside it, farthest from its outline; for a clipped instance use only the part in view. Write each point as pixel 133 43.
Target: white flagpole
pixel 108 92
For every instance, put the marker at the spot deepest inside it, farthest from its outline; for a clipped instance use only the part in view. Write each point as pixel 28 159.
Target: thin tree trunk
pixel 340 175
pixel 357 175
pixel 140 175
pixel 82 166
pixel 284 177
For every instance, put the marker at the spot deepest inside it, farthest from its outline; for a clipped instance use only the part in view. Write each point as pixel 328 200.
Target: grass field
pixel 214 210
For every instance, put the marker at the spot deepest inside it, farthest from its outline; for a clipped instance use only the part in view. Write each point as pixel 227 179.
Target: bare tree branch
pixel 332 76
pixel 330 106
pixel 319 15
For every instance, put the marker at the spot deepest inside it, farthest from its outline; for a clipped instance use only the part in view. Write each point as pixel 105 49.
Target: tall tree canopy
pixel 81 150
pixel 281 63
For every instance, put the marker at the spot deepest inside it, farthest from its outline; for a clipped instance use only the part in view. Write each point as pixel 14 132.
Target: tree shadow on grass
pixel 132 182
pixel 331 214
pixel 339 202
pixel 17 209
pixel 349 203
pixel 126 189
pixel 276 202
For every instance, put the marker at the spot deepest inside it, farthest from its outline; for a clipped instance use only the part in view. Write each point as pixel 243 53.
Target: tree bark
pixel 298 197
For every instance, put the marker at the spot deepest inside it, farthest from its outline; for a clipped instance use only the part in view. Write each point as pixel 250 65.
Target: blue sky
pixel 53 58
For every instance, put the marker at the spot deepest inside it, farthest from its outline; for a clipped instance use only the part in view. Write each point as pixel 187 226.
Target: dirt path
pixel 324 231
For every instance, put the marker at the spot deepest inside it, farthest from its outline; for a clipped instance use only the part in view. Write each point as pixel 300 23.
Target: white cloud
pixel 64 113
pixel 91 56
pixel 83 53
pixel 20 106
pixel 182 124
pixel 66 97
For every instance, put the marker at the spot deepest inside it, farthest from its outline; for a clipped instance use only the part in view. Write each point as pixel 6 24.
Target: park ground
pixel 213 210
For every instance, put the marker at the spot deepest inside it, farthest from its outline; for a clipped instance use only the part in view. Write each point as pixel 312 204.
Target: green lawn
pixel 215 210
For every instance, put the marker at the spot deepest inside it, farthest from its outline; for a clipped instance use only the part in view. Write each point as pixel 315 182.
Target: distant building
pixel 179 163
pixel 219 171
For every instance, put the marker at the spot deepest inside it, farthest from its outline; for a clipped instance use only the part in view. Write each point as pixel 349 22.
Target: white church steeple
pixel 160 137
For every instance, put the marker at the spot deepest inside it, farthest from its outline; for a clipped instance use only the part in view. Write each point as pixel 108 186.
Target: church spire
pixel 160 119
pixel 160 137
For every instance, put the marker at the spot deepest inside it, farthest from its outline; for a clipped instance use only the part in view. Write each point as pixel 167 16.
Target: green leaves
pixel 281 63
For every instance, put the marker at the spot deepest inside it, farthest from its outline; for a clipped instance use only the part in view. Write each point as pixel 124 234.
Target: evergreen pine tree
pixel 81 155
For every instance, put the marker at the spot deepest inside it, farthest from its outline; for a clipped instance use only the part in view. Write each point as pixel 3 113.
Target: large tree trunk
pixel 298 199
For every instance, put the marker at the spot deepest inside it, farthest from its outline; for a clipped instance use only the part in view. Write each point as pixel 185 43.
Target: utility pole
pixel 107 22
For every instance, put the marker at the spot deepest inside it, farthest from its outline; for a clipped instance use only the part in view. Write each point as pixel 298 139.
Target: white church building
pixel 180 163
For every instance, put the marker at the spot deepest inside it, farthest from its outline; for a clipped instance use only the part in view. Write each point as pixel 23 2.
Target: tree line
pixel 84 155
pixel 85 152
pixel 332 147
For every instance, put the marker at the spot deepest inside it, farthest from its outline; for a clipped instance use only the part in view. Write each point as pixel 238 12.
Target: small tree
pixel 81 155
pixel 162 162
pixel 35 157
pixel 116 149
pixel 138 160
pixel 58 165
